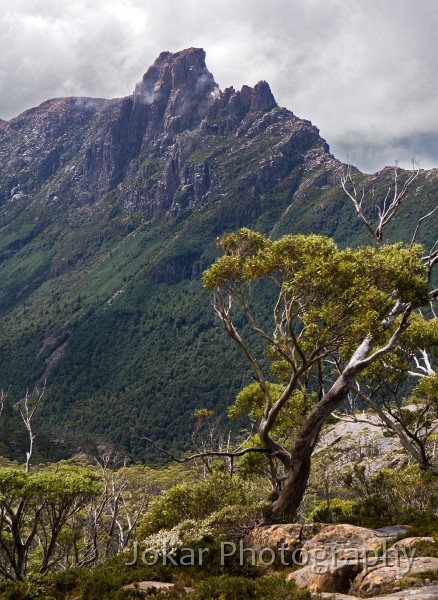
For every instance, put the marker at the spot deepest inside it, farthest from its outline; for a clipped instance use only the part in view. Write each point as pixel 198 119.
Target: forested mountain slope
pixel 110 211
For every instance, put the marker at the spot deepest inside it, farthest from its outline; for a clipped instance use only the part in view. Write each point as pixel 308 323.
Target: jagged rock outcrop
pixel 174 94
pixel 74 151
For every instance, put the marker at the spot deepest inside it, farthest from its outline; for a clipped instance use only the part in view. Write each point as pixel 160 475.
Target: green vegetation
pixel 101 252
pixel 389 497
pixel 341 323
pixel 103 299
pixel 197 501
pixel 108 581
pixel 38 505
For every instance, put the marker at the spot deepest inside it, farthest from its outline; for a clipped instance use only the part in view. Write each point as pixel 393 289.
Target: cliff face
pixel 109 212
pixel 147 146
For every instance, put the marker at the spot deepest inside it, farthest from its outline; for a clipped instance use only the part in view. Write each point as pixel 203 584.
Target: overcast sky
pixel 364 71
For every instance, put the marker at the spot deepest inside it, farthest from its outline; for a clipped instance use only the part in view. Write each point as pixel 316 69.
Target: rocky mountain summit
pixel 109 212
pixel 159 147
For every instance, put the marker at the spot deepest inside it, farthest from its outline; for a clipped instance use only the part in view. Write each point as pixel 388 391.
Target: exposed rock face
pixel 343 559
pixel 424 592
pixel 348 541
pixel 231 106
pixel 294 536
pixel 325 578
pixel 411 542
pixel 174 94
pixel 371 582
pixel 77 150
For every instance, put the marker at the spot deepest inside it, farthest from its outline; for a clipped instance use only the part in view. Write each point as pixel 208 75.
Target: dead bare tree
pixel 2 401
pixel 27 412
pixel 387 209
pixel 414 427
pixel 108 522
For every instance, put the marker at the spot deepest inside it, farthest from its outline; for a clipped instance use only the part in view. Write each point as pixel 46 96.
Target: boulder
pixel 427 592
pixel 375 579
pixel 335 596
pixel 347 542
pixel 326 577
pixel 293 535
pixel 337 554
pixel 410 542
pixel 162 586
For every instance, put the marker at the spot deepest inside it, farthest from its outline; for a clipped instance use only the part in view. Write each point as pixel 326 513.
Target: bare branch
pixel 390 205
pixel 414 446
pixel 347 180
pixel 223 313
pixel 425 368
pixel 354 419
pixel 361 360
pixel 2 401
pixel 417 229
pixel 27 415
pixel 208 453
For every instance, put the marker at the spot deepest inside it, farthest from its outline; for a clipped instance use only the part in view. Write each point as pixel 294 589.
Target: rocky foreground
pixel 345 561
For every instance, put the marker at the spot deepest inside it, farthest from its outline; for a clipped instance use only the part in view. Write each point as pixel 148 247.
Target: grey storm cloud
pixel 364 72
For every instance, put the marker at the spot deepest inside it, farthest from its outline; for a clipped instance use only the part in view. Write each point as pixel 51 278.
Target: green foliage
pixel 250 401
pixel 58 483
pixel 326 303
pixel 427 389
pixel 195 501
pixel 211 580
pixel 38 505
pixel 231 588
pixel 347 293
pixel 408 495
pixel 422 333
pixel 235 521
pixel 229 523
pixel 52 485
pixel 337 511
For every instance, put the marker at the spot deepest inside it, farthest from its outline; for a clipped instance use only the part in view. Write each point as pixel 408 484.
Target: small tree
pixel 34 508
pixel 403 390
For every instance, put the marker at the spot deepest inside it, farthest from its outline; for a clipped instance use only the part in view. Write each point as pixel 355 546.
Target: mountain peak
pixel 262 99
pixel 178 87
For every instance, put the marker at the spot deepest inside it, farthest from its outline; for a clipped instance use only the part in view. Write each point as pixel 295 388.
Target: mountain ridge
pixel 109 212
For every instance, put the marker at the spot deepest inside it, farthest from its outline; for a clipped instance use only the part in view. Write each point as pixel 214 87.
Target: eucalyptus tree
pixel 35 506
pixel 338 317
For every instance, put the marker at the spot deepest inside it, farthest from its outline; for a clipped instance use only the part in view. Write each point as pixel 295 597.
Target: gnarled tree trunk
pixel 294 487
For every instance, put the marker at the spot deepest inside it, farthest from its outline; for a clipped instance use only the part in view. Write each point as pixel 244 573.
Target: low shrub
pixel 231 588
pixel 338 511
pixel 195 501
